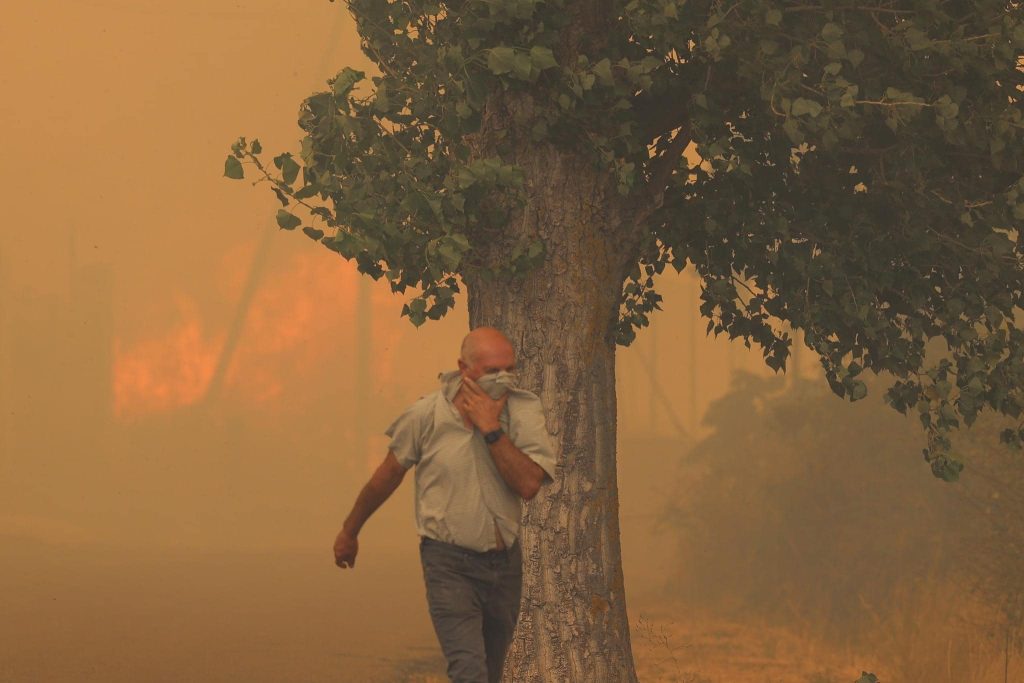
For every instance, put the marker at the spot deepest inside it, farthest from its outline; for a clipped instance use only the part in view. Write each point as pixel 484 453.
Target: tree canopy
pixel 854 169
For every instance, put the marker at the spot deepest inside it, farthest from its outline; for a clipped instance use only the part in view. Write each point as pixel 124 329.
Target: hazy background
pixel 191 399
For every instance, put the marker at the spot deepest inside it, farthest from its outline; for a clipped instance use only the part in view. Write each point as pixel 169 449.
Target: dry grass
pixel 703 649
pixel 924 636
pixel 928 634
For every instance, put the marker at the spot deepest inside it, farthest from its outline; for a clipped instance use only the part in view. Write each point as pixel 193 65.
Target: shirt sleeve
pixel 406 434
pixel 529 433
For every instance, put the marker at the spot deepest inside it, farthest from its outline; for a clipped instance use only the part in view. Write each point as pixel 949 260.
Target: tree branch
pixel 859 8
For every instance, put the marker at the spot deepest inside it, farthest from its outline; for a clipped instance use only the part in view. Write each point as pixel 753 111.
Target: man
pixel 480 447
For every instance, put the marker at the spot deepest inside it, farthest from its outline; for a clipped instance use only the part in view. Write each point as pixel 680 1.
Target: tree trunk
pixel 561 319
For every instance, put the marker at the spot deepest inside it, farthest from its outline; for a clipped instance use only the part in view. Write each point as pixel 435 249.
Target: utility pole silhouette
pixel 6 380
pixel 227 353
pixel 655 363
pixel 796 356
pixel 657 396
pixel 694 316
pixel 89 326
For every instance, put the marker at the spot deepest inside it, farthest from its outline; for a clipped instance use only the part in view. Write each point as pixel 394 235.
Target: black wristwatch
pixel 491 437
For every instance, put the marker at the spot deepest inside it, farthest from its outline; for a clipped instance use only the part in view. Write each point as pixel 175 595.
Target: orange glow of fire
pixel 300 315
pixel 168 372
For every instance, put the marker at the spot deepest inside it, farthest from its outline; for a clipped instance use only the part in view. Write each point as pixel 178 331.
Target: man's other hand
pixel 345 549
pixel 481 409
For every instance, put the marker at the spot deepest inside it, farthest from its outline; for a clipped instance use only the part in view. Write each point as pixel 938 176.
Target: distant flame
pixel 169 372
pixel 299 316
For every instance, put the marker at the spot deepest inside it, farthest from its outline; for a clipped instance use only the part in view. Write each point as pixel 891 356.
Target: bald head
pixel 484 350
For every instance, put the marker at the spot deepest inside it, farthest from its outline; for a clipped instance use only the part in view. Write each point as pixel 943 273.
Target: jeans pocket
pixel 445 578
pixel 438 557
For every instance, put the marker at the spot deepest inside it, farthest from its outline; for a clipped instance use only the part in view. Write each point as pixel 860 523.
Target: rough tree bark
pixel 561 318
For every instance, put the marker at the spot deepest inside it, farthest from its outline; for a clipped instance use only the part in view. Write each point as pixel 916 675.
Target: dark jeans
pixel 474 602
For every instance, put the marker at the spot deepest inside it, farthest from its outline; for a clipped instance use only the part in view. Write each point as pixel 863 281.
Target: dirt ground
pixel 109 615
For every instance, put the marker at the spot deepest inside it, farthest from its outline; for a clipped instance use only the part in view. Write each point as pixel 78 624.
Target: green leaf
pixel 858 390
pixel 233 168
pixel 542 57
pixel 946 107
pixel 288 221
pixel 466 177
pixel 257 148
pixel 947 468
pixel 323 212
pixel 831 32
pixel 344 81
pixel 773 17
pixel 916 39
pixel 381 102
pixel 649 64
pixel 313 233
pixel 522 66
pixel 603 70
pixel 792 129
pixel 415 309
pixel 804 106
pixel 289 169
pixel 501 60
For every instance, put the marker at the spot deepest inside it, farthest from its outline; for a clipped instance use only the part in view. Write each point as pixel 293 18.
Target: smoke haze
pixel 191 399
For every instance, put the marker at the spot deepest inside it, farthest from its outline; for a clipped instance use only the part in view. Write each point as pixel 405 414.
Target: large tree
pixel 852 168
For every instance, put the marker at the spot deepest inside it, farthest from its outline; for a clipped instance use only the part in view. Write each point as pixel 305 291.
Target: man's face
pixel 488 359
